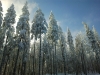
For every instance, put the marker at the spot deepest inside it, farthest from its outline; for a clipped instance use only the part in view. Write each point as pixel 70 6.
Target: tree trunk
pixel 3 60
pixel 52 62
pixel 83 61
pixel 34 60
pixel 14 70
pixel 40 55
pixel 24 63
pixel 64 61
pixel 43 64
pixel 55 61
pixel 5 68
pixel 3 57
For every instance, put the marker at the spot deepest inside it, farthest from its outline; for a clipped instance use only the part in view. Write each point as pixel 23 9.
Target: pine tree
pixel 45 53
pixel 97 37
pixel 81 53
pixel 52 34
pixel 72 49
pixel 95 34
pixel 8 31
pixel 62 42
pixel 93 43
pixel 39 26
pixel 23 33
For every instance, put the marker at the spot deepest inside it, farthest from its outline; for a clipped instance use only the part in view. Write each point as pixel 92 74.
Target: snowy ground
pixel 80 74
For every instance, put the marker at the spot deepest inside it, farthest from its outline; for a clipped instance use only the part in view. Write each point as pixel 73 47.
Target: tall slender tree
pixel 39 26
pixel 93 43
pixel 72 50
pixel 23 40
pixel 45 53
pixel 62 42
pixel 80 48
pixel 97 37
pixel 8 30
pixel 52 34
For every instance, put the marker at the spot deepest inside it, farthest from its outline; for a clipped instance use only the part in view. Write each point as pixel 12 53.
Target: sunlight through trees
pixel 52 51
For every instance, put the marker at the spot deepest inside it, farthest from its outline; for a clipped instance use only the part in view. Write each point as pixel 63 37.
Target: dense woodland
pixel 42 48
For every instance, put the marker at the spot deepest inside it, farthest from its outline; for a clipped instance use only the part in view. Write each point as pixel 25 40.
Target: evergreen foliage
pixel 52 52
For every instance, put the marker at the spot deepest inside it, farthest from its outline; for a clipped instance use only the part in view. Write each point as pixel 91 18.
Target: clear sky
pixel 68 13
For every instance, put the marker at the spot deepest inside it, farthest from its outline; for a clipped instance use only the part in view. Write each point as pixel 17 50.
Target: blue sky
pixel 71 13
pixel 68 13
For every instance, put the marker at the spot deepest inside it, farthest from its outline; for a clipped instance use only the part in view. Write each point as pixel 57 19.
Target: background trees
pixel 49 50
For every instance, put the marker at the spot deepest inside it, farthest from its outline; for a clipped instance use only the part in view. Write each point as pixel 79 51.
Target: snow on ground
pixel 74 74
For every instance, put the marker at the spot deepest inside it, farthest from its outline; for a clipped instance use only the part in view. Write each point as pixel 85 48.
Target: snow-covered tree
pixel 23 40
pixel 78 55
pixel 94 46
pixel 95 34
pixel 38 23
pixel 51 52
pixel 39 26
pixel 81 54
pixel 8 31
pixel 90 36
pixel 62 45
pixel 45 54
pixel 52 34
pixel 70 41
pixel 97 37
pixel 71 48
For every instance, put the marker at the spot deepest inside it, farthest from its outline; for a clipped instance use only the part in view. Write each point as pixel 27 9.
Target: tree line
pixel 51 52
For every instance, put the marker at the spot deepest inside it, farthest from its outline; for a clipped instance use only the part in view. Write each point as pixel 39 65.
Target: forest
pixel 43 48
